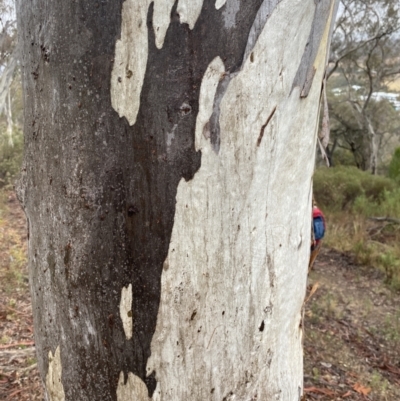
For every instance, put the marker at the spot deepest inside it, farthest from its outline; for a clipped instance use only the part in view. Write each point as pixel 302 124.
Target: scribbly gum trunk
pixel 169 150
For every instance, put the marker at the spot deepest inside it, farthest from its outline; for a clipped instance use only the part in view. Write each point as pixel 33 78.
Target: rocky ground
pixel 352 325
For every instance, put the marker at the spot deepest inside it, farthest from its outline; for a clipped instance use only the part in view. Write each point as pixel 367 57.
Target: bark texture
pixel 143 193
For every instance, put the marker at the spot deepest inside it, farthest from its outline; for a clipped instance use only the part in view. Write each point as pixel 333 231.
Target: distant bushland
pixel 363 217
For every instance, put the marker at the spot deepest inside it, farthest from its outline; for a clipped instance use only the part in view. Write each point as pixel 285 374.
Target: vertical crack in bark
pixel 265 126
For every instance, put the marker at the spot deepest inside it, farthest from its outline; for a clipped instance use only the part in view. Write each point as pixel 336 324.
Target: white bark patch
pixel 54 387
pixel 161 20
pixel 134 389
pixel 125 310
pixel 208 89
pixel 219 4
pixel 189 11
pixel 237 261
pixel 131 53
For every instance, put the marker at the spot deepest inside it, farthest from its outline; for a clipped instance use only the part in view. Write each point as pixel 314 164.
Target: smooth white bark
pixel 229 323
pixel 235 276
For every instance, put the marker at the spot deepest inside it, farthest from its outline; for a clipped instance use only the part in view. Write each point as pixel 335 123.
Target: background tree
pixel 394 166
pixel 11 116
pixel 364 60
pixel 348 135
pixel 167 184
pixel 8 52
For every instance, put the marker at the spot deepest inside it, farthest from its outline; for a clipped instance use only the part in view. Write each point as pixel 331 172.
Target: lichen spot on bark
pixel 133 390
pixel 125 310
pixel 54 387
pixel 219 4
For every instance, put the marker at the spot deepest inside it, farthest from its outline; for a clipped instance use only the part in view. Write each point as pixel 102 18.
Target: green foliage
pixel 349 197
pixel 363 253
pixel 387 205
pixel 10 157
pixel 344 187
pixel 334 188
pixel 343 157
pixel 390 263
pixel 394 166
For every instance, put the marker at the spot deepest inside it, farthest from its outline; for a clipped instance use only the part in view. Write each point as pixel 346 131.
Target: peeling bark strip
pixel 305 74
pixel 110 131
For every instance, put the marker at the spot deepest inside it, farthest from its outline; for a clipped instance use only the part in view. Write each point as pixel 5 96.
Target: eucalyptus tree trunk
pixel 167 184
pixel 368 153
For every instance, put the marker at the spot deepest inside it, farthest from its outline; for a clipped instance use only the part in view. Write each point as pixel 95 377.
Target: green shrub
pixel 346 188
pixel 390 263
pixel 364 253
pixel 391 204
pixel 349 197
pixel 387 205
pixel 336 188
pixel 343 157
pixel 394 166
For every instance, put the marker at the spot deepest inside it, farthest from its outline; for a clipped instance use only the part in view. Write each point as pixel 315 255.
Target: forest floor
pixel 351 333
pixel 19 377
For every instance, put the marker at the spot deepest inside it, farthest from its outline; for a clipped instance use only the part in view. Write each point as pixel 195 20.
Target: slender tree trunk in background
pixel 167 184
pixel 373 161
pixel 367 154
pixel 330 150
pixel 369 144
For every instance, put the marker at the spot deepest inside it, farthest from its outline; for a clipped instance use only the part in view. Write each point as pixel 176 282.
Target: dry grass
pixel 350 198
pixel 371 243
pixel 394 86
